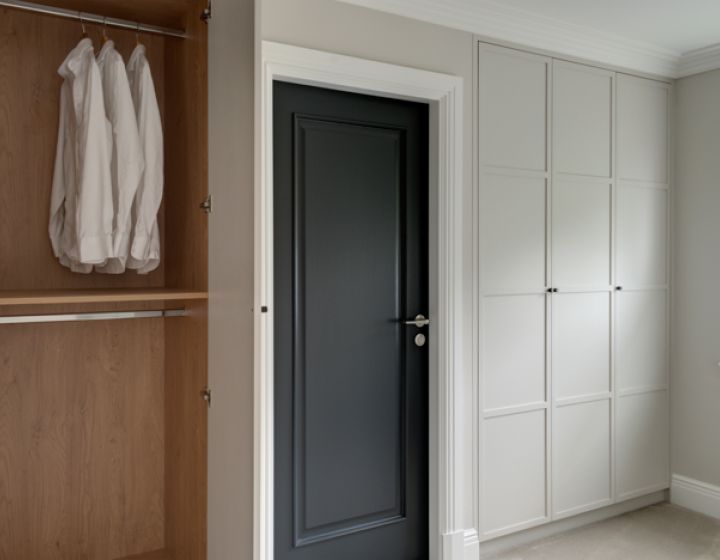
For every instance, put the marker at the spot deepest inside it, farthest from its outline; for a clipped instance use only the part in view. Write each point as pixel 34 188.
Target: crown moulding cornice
pixel 495 21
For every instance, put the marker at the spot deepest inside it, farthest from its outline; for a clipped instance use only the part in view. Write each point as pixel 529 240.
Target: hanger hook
pixel 105 35
pixel 82 24
pixel 137 33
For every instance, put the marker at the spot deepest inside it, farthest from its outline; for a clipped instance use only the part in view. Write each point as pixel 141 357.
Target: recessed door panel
pixel 642 340
pixel 513 109
pixel 642 138
pixel 513 350
pixel 581 457
pixel 513 234
pixel 581 231
pixel 643 441
pixel 642 237
pixel 513 472
pixel 583 119
pixel 581 344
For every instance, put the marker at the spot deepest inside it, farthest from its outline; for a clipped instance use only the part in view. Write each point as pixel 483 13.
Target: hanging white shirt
pixel 127 158
pixel 81 204
pixel 145 249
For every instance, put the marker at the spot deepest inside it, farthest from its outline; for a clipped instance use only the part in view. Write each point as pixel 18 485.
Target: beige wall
pixel 696 323
pixel 230 452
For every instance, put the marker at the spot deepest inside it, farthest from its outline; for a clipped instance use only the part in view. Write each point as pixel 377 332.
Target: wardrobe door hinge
pixel 207 13
pixel 207 396
pixel 206 205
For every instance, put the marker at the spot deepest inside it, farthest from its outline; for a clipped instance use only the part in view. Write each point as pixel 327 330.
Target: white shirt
pixel 81 204
pixel 145 249
pixel 127 164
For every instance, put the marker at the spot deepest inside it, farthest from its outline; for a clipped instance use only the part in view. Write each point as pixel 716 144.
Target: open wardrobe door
pixel 103 376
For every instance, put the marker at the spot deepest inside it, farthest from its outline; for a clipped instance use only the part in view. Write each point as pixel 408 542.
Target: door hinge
pixel 207 396
pixel 206 15
pixel 206 205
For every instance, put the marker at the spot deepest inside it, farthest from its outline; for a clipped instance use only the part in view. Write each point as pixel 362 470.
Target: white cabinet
pixel 513 321
pixel 572 280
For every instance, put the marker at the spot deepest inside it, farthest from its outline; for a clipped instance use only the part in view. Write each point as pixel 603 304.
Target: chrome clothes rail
pixel 83 17
pixel 102 316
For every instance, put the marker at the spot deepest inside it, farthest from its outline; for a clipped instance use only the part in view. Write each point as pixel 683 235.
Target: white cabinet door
pixel 514 473
pixel 512 105
pixel 641 341
pixel 642 121
pixel 581 345
pixel 642 248
pixel 512 265
pixel 643 443
pixel 581 232
pixel 582 108
pixel 581 458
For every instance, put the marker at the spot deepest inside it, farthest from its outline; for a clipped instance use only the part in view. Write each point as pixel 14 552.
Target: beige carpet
pixel 662 532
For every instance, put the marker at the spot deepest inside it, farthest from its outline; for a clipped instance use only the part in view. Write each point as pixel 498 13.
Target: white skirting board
pixel 476 550
pixel 695 495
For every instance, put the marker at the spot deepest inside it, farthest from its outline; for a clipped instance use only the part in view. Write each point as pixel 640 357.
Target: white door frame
pixel 443 93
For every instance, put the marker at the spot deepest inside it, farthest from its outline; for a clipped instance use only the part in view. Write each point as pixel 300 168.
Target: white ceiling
pixel 671 38
pixel 679 25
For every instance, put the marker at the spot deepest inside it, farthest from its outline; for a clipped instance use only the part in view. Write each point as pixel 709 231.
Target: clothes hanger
pixel 137 35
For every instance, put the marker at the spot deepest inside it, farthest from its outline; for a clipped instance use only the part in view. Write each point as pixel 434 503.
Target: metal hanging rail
pixel 104 316
pixel 83 17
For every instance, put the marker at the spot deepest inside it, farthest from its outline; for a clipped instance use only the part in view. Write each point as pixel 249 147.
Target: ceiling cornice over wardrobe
pixel 504 23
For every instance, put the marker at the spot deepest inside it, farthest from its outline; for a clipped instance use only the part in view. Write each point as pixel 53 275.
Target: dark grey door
pixel 351 383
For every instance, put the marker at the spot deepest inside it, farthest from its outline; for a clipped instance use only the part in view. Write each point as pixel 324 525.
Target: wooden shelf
pixel 52 297
pixel 155 555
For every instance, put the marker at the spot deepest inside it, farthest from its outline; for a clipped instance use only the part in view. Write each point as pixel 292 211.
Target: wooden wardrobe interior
pixel 103 426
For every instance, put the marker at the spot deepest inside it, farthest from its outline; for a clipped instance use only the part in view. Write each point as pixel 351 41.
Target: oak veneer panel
pixel 32 47
pixel 155 555
pixel 186 154
pixel 186 419
pixel 82 440
pixel 96 296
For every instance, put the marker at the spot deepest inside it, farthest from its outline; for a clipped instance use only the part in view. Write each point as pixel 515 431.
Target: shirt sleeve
pixel 57 196
pixel 146 242
pixel 94 211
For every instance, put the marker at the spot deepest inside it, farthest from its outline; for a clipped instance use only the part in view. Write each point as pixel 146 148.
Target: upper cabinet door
pixel 642 116
pixel 582 176
pixel 513 109
pixel 582 106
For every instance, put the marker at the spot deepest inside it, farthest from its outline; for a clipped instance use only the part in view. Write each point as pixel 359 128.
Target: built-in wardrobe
pixel 572 334
pixel 103 414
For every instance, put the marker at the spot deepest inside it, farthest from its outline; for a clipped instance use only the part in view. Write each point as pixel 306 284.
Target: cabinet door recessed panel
pixel 642 138
pixel 641 340
pixel 583 119
pixel 513 234
pixel 514 351
pixel 513 472
pixel 581 233
pixel 642 435
pixel 513 109
pixel 581 456
pixel 642 237
pixel 581 344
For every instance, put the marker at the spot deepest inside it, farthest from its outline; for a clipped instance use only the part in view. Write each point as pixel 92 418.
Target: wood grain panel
pixel 186 418
pixel 95 296
pixel 186 261
pixel 82 440
pixel 32 47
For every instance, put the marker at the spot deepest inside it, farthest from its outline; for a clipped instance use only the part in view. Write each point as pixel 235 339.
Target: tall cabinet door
pixel 641 337
pixel 513 177
pixel 582 276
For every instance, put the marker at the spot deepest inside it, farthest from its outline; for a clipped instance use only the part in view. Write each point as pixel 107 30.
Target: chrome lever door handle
pixel 420 321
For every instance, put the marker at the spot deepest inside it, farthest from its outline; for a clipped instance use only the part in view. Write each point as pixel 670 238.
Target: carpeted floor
pixel 662 532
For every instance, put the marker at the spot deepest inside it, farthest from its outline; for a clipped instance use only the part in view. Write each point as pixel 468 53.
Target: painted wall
pixel 696 321
pixel 355 31
pixel 230 444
